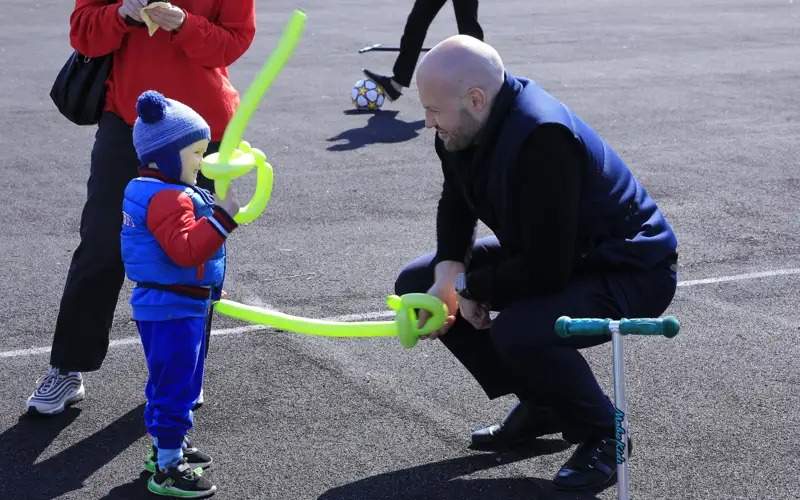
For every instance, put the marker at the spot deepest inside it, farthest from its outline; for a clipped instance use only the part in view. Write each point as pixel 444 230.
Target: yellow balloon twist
pixel 236 157
pixel 405 324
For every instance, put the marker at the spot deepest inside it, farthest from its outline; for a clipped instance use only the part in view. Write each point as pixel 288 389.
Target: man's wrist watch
pixel 461 286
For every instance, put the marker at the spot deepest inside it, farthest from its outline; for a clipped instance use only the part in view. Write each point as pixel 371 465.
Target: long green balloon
pixel 235 157
pixel 404 325
pixel 249 103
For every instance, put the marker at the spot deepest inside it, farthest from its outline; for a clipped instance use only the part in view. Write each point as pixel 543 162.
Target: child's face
pixel 191 159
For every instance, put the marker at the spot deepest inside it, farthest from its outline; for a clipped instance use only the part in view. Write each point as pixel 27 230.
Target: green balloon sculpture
pixel 236 158
pixel 405 325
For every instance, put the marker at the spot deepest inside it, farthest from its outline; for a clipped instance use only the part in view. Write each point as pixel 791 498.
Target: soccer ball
pixel 367 95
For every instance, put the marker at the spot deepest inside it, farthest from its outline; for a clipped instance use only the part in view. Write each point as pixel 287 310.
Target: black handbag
pixel 80 88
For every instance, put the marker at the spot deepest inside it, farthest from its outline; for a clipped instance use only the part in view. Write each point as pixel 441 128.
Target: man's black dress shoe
pixel 592 467
pixel 385 82
pixel 524 423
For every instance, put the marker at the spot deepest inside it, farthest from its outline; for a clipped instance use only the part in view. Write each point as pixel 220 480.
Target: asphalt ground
pixel 701 99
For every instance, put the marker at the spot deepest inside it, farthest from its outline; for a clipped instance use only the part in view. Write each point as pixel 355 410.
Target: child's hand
pixel 230 204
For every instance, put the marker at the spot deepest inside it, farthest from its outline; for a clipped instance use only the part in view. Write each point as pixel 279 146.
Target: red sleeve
pixel 219 43
pixel 95 27
pixel 188 241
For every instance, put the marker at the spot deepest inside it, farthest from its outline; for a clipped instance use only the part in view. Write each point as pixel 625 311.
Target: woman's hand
pixel 131 8
pixel 167 16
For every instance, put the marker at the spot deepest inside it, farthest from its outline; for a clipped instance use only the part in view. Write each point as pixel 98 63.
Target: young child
pixel 173 248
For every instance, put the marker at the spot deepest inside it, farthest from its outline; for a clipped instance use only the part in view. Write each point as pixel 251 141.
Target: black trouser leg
pixel 467 18
pixel 419 20
pixel 554 370
pixel 417 24
pixel 96 274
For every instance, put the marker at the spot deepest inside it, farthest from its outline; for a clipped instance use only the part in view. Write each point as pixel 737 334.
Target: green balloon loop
pixel 405 325
pixel 236 157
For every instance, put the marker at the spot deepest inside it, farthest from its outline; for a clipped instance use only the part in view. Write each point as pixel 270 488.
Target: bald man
pixel 574 234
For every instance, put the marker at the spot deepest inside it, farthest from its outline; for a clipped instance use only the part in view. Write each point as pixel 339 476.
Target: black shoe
pixel 592 467
pixel 385 82
pixel 194 457
pixel 180 481
pixel 523 424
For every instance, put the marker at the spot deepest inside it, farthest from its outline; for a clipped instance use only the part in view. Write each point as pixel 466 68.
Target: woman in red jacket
pixel 186 59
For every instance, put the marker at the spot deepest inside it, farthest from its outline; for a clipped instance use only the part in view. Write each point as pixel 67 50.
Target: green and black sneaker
pixel 180 481
pixel 194 457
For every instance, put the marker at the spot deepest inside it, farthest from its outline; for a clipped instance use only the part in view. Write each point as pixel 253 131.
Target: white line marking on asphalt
pixel 739 277
pixel 386 314
pixel 225 331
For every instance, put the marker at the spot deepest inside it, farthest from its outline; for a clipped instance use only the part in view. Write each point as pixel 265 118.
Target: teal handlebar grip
pixel 667 326
pixel 568 327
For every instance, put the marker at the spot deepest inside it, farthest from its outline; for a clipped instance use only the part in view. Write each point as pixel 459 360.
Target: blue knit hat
pixel 163 128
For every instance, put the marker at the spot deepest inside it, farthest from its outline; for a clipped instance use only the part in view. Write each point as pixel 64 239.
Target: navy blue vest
pixel 619 225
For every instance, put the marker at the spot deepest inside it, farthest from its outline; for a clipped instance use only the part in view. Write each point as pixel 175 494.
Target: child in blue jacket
pixel 173 248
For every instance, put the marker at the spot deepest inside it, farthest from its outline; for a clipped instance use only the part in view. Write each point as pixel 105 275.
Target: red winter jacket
pixel 189 65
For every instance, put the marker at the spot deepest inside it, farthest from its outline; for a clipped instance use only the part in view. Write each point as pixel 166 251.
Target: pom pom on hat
pixel 151 106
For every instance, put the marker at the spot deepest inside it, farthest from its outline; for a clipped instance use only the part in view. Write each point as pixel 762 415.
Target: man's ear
pixel 477 99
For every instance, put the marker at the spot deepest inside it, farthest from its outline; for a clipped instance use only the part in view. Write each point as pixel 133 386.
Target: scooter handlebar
pixel 667 326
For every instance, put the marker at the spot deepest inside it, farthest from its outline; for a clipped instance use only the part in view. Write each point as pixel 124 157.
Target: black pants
pixel 96 273
pixel 419 20
pixel 521 354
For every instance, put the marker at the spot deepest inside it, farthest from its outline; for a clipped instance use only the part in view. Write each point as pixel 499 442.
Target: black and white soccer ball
pixel 367 95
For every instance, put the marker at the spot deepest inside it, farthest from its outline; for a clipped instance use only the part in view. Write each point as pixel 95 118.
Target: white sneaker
pixel 200 400
pixel 55 391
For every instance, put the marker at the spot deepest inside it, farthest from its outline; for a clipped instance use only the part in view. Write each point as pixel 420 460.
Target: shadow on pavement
pixel 133 490
pixel 66 471
pixel 382 127
pixel 443 480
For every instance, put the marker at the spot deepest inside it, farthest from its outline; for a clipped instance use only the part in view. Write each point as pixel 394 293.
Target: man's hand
pixel 476 313
pixel 447 294
pixel 167 16
pixel 131 8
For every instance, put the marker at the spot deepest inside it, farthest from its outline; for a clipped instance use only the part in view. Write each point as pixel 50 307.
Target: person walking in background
pixel 419 20
pixel 196 41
